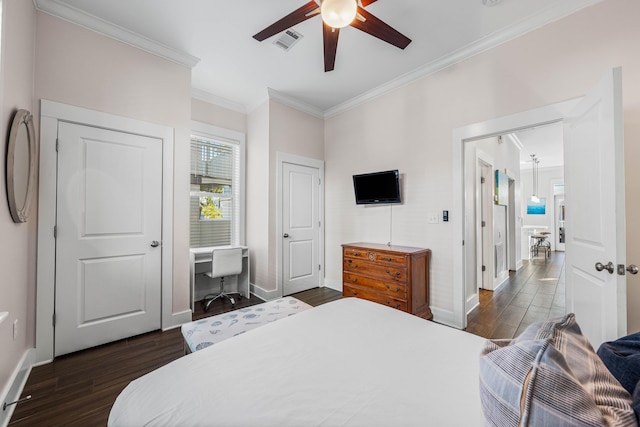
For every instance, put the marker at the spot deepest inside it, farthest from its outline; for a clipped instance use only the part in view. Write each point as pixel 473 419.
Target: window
pixel 217 187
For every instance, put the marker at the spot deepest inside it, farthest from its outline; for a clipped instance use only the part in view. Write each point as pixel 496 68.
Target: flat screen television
pixel 377 187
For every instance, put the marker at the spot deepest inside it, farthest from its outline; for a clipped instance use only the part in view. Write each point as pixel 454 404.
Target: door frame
pixel 281 159
pixel 495 127
pixel 50 114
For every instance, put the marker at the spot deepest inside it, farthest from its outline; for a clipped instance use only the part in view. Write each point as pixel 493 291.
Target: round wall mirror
pixel 21 151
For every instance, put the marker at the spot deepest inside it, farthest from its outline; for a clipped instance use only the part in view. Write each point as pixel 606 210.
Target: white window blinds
pixel 215 193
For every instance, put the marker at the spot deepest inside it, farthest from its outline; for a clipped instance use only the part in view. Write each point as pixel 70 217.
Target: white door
pixel 108 264
pixel 595 212
pixel 486 226
pixel 500 271
pixel 300 228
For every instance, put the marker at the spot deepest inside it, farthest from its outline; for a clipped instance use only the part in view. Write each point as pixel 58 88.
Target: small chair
pixel 224 262
pixel 540 243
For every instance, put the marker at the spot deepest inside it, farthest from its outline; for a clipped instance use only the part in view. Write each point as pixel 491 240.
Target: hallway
pixel 536 292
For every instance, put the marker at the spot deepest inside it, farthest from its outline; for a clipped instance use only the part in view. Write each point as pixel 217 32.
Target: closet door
pixel 109 223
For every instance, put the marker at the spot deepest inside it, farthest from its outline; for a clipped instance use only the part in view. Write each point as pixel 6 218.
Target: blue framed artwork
pixel 536 208
pixel 501 195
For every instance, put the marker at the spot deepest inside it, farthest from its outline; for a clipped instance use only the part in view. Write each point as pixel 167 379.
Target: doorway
pixel 461 136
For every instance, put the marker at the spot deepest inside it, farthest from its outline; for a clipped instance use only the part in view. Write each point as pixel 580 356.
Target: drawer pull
pixel 353 279
pixel 394 275
pixel 356 254
pixel 386 259
pixel 397 288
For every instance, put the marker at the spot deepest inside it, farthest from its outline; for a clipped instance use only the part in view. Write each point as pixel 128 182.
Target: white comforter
pixel 347 363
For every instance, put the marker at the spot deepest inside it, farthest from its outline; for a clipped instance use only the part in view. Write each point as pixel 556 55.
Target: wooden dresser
pixel 397 276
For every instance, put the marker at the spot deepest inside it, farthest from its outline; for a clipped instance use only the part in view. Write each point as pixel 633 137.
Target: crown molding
pixel 289 101
pixel 558 11
pixel 210 98
pixel 91 22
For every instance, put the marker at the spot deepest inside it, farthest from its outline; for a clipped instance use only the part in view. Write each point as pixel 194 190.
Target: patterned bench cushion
pixel 211 330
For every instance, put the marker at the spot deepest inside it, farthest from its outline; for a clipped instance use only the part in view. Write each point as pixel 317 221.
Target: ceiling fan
pixel 337 14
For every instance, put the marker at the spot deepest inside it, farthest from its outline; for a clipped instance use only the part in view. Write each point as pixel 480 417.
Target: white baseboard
pixel 336 285
pixel 264 294
pixel 445 317
pixel 16 385
pixel 178 319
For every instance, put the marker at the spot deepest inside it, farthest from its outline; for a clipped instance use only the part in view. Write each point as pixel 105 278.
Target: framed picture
pixel 501 196
pixel 536 208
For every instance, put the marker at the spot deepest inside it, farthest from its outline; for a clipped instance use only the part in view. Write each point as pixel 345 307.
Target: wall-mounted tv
pixel 377 187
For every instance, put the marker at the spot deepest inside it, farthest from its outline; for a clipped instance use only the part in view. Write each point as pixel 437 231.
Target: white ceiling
pixel 233 69
pixel 546 142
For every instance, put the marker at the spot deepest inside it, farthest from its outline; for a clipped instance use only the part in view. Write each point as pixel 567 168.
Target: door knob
pixel 609 267
pixel 632 269
pixel 155 244
pixel 285 235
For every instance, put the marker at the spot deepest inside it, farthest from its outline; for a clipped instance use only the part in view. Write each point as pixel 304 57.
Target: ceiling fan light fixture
pixel 338 13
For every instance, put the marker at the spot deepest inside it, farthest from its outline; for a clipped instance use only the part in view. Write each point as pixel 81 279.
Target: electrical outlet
pixel 15 329
pixel 433 218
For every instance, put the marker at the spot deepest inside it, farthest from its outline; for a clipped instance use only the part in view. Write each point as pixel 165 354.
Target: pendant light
pixel 534 180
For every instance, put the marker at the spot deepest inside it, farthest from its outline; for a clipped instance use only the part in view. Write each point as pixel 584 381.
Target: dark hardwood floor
pixel 536 292
pixel 79 389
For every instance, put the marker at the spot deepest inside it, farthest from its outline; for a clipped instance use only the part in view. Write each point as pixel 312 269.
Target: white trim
pixel 559 10
pixel 99 25
pixel 15 385
pixel 210 98
pixel 280 97
pixel 265 295
pixel 50 114
pixel 179 319
pixel 442 316
pixel 336 285
pixel 282 158
pixel 500 126
pixel 230 136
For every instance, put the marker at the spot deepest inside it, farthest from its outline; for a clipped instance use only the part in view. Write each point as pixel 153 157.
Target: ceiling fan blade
pixel 330 38
pixel 366 3
pixel 377 28
pixel 297 16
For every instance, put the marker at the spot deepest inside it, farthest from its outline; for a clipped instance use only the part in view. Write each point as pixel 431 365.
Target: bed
pixel 353 362
pixel 350 362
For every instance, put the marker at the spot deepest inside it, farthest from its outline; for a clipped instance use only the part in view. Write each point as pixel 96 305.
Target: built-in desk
pixel 201 285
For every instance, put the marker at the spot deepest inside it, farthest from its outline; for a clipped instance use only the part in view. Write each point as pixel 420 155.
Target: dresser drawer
pixel 376 256
pixel 391 288
pixel 350 291
pixel 383 272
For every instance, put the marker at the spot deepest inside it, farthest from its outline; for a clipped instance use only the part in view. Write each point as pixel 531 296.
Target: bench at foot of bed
pixel 211 330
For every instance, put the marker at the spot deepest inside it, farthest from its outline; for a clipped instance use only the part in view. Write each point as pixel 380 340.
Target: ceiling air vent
pixel 288 39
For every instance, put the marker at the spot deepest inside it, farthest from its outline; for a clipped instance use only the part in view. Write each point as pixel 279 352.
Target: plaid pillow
pixel 549 376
